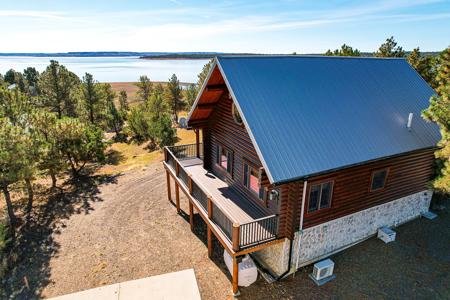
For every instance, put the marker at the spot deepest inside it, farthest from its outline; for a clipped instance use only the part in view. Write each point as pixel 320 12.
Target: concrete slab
pixel 103 292
pixel 171 286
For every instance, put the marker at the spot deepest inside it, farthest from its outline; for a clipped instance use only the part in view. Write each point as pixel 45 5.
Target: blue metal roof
pixel 307 115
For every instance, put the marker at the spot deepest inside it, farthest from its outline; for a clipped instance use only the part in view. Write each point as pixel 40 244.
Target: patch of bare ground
pixel 110 229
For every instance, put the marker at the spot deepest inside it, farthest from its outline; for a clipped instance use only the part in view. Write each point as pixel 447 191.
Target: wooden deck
pixel 238 208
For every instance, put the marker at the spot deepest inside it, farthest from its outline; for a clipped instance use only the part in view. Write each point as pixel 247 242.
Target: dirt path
pixel 133 232
pixel 126 229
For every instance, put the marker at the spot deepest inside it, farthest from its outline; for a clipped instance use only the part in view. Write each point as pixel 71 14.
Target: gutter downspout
pixel 300 231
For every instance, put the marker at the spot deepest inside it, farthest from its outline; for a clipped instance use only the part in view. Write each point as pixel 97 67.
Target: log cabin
pixel 299 157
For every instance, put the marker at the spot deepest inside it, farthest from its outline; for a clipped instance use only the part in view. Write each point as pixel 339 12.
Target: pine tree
pixel 93 101
pixel 439 112
pixel 390 49
pixel 123 101
pixel 113 116
pixel 145 88
pixel 344 51
pixel 424 65
pixel 172 96
pixel 59 90
pixel 203 74
pixel 189 95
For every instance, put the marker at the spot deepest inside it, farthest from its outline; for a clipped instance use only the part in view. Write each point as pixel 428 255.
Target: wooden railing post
pixel 197 143
pixel 235 237
pixel 165 153
pixel 210 208
pixel 177 169
pixel 190 183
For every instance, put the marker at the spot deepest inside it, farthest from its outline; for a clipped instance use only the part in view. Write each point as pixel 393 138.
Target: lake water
pixel 112 69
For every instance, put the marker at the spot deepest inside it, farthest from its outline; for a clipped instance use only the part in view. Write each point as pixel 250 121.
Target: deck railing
pixel 240 236
pixel 258 231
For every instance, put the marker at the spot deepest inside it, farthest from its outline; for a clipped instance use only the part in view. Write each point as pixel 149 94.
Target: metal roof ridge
pixel 306 56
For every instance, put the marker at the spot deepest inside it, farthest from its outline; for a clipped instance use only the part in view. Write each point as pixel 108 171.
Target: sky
pixel 269 26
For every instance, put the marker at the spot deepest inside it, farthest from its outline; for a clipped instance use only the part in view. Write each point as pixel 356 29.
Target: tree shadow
pixel 35 244
pixel 114 157
pixel 200 231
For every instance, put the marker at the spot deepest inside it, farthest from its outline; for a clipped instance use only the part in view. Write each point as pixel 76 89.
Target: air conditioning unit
pixel 323 272
pixel 386 234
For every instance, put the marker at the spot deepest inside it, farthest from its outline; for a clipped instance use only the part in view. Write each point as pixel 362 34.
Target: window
pixel 236 116
pixel 225 158
pixel 378 179
pixel 251 180
pixel 320 196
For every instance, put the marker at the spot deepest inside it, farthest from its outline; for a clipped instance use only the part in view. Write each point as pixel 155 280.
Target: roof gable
pixel 307 115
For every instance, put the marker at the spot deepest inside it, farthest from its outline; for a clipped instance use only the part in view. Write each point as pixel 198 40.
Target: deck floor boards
pixel 239 209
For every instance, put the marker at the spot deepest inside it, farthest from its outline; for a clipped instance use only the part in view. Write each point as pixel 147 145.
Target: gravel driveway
pixel 129 230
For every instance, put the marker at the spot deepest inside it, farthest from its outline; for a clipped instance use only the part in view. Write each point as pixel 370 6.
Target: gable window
pixel 320 196
pixel 225 158
pixel 236 116
pixel 378 179
pixel 251 180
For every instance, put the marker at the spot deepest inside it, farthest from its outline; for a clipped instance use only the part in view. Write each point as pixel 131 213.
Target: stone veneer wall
pixel 328 238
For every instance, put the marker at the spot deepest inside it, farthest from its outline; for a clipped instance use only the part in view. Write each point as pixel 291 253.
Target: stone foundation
pixel 328 238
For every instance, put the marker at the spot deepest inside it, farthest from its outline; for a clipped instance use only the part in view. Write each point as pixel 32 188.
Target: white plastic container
pixel 247 270
pixel 386 234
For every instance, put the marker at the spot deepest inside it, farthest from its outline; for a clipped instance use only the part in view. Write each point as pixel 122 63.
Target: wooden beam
pixel 191 215
pixel 205 105
pixel 168 186
pixel 216 87
pixel 177 196
pixel 235 277
pixel 210 245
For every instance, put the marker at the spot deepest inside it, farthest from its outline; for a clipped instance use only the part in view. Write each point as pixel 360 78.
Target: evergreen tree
pixel 390 49
pixel 145 88
pixel 80 143
pixel 190 94
pixel 424 65
pixel 123 101
pixel 203 74
pixel 344 51
pixel 172 96
pixel 93 101
pixel 44 129
pixel 12 162
pixel 439 112
pixel 113 117
pixel 59 89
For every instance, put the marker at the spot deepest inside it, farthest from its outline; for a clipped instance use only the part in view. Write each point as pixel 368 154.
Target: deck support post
pixel 168 186
pixel 235 277
pixel 210 245
pixel 191 215
pixel 177 196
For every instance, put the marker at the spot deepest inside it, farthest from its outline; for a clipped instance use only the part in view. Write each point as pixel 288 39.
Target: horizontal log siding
pixel 408 174
pixel 224 131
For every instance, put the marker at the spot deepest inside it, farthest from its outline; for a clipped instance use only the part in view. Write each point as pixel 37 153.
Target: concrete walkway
pixel 171 286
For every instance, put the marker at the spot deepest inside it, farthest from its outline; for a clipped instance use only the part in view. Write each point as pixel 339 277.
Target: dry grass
pixel 124 157
pixel 129 87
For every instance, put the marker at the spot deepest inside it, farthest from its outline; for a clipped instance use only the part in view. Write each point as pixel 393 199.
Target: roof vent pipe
pixel 410 118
